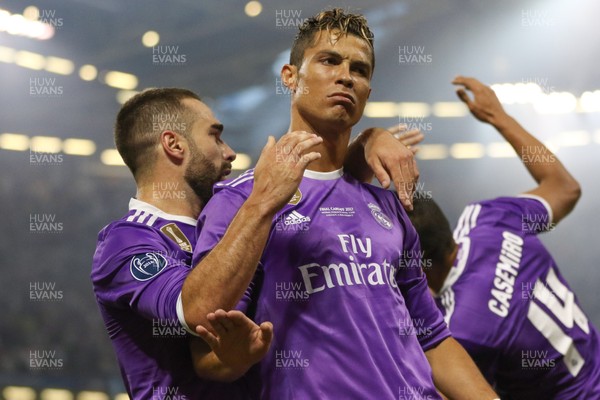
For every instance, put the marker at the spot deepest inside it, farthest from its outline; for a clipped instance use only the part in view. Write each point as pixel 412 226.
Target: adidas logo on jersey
pixel 295 218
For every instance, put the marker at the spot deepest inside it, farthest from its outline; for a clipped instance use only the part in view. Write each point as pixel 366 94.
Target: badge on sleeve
pixel 146 266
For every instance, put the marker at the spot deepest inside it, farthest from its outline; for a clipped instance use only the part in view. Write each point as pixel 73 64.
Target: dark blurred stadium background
pixel 63 78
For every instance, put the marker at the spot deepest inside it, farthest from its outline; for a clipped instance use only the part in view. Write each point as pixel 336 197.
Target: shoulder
pixel 242 183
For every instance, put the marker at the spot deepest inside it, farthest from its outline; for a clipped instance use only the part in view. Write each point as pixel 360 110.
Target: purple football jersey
pixel 506 302
pixel 139 267
pixel 340 280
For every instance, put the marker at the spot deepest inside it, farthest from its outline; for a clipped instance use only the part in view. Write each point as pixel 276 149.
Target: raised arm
pixel 555 184
pixel 220 279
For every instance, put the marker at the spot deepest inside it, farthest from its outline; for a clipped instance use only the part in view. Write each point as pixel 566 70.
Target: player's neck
pixel 439 271
pixel 171 197
pixel 333 148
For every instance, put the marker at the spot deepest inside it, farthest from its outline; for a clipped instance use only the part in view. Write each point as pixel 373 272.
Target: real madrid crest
pixel 380 217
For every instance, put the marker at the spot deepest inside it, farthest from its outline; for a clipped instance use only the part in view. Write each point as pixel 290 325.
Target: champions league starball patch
pixel 145 266
pixel 380 217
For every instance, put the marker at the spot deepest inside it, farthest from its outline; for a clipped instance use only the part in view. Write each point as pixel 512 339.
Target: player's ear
pixel 289 76
pixel 172 144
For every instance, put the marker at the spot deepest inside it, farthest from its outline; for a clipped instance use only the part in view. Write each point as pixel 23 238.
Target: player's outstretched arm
pixel 555 183
pixel 455 375
pixel 377 151
pixel 220 279
pixel 238 343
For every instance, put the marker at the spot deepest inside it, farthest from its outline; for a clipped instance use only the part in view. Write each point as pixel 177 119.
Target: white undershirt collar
pixel 324 176
pixel 135 204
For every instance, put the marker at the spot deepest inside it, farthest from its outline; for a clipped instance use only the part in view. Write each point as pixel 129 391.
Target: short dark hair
pixel 143 118
pixel 433 228
pixel 335 19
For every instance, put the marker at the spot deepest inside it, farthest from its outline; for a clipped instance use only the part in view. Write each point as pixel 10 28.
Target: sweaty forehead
pixel 340 42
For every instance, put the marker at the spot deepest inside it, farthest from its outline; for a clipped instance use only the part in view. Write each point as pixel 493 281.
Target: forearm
pixel 455 374
pixel 555 183
pixel 220 279
pixel 210 367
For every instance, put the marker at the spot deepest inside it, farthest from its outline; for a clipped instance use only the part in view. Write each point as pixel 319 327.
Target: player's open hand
pixel 484 105
pixel 237 341
pixel 281 166
pixel 390 155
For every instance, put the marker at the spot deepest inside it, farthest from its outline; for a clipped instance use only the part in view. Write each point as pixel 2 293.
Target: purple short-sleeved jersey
pixel 506 302
pixel 341 282
pixel 139 267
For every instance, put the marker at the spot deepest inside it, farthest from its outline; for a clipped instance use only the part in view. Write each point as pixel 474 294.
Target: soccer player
pixel 335 277
pixel 501 291
pixel 142 274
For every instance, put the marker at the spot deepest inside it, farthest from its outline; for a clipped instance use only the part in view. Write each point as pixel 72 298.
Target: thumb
pixel 270 143
pixel 462 94
pixel 266 330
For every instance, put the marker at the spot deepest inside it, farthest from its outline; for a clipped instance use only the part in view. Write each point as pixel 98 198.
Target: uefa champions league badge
pixel 146 266
pixel 380 217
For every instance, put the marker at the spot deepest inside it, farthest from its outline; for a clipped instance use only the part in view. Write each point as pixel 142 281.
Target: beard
pixel 201 174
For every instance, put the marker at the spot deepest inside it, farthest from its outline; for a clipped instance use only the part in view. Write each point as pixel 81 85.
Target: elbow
pixel 572 192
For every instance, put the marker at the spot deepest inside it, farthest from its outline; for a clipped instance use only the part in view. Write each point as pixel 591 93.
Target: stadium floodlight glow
pixel 14 141
pixel 111 157
pixel 88 72
pixel 56 394
pixel 253 8
pixel 242 161
pixel 413 109
pixel 7 55
pixel 150 39
pixel 59 65
pixel 28 59
pixel 573 138
pixel 555 103
pixel 445 109
pixel 381 109
pixel 89 395
pixel 120 80
pixel 124 95
pixel 500 150
pixel 467 150
pixel 79 147
pixel 17 24
pixel 432 152
pixel 46 144
pixel 18 393
pixel 597 136
pixel 590 101
pixel 122 396
pixel 31 13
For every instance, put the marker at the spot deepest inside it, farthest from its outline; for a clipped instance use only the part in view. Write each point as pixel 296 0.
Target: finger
pixel 270 143
pixel 266 330
pixel 411 137
pixel 304 145
pixel 380 173
pixel 238 318
pixel 307 159
pixel 462 94
pixel 208 337
pixel 404 182
pixel 223 319
pixel 288 142
pixel 396 129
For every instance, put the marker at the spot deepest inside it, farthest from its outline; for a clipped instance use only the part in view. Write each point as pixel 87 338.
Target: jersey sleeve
pixel 527 213
pixel 215 219
pixel 413 286
pixel 138 272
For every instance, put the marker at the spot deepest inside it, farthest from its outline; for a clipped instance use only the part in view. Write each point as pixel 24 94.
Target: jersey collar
pixel 324 176
pixel 135 204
